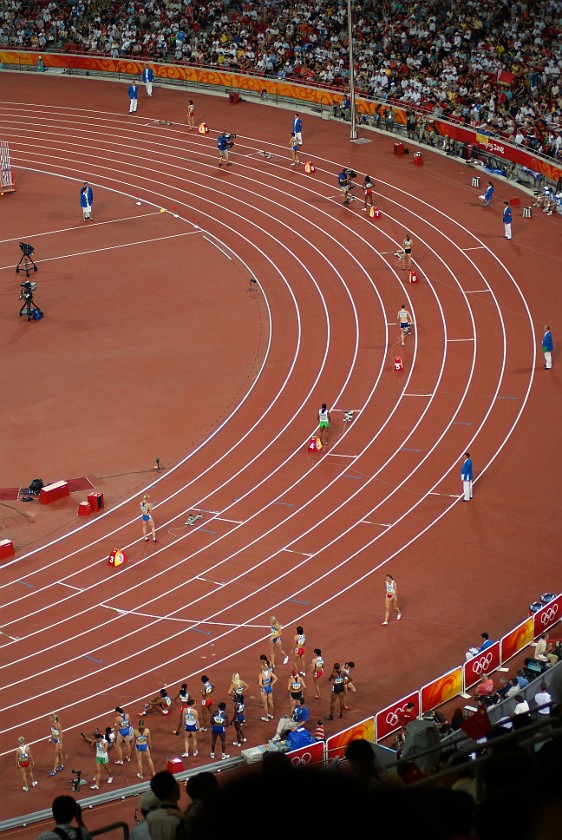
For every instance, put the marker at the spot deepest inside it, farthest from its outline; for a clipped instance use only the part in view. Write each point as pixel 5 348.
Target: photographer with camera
pixel 65 810
pixel 345 183
pixel 224 143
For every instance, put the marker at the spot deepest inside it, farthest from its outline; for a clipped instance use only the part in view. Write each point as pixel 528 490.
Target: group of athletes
pixel 127 740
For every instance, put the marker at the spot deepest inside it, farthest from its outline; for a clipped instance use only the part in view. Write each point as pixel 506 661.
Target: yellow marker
pixel 162 210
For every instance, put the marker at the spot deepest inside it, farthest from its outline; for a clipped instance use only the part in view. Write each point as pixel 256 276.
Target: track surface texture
pixel 155 344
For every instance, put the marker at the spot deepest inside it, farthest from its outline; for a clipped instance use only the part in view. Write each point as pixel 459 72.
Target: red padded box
pixel 418 159
pixel 6 549
pixel 96 501
pixel 514 201
pixel 399 148
pixel 53 492
pixel 175 765
pixel 84 509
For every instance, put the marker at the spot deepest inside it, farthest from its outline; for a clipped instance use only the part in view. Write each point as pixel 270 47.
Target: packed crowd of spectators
pixel 491 64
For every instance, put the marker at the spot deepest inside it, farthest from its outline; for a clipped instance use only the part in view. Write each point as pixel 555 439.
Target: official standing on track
pixel 133 91
pixel 86 202
pixel 507 219
pixel 466 477
pixel 297 129
pixel 148 78
pixel 391 599
pixel 547 347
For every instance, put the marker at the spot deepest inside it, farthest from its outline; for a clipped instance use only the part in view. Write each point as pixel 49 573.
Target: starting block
pixel 527 212
pixel 314 444
pixel 476 181
pixel 203 128
pixel 413 276
pixel 116 558
pixel 398 364
pixel 375 213
pixel 348 417
pixel 309 167
pixel 193 518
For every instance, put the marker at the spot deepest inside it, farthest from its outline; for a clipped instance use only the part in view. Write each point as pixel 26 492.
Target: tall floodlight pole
pixel 353 132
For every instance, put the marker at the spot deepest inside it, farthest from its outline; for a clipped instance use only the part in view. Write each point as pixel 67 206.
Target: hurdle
pixel 7 178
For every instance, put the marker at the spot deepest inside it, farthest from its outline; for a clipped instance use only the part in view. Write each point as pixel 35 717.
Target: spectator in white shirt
pixel 543 697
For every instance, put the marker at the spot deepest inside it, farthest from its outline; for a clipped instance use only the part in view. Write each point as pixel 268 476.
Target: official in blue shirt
pixel 466 477
pixel 133 92
pixel 507 217
pixel 148 78
pixel 86 202
pixel 547 347
pixel 297 129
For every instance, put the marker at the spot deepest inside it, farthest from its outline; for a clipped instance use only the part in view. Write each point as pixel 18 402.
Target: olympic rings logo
pixel 301 760
pixel 482 663
pixel 549 614
pixel 392 716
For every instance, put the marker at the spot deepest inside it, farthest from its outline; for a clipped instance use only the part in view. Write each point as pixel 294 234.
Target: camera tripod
pixel 26 264
pixel 28 307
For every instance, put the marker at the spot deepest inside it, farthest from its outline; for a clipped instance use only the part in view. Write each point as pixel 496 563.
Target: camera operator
pixel 65 810
pixel 345 183
pixel 224 143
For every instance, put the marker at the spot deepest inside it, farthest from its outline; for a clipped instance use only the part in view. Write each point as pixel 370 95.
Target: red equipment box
pixel 96 501
pixel 53 492
pixel 399 148
pixel 6 549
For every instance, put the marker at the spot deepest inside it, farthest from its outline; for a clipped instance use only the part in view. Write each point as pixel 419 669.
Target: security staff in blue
pixel 148 78
pixel 222 146
pixel 507 217
pixel 133 92
pixel 297 129
pixel 86 202
pixel 466 477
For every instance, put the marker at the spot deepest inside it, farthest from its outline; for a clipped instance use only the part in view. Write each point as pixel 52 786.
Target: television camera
pixel 230 138
pixel 77 781
pixel 27 289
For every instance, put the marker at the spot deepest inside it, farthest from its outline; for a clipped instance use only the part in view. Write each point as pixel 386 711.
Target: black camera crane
pixel 26 262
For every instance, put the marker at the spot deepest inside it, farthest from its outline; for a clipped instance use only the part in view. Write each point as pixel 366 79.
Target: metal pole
pixel 353 131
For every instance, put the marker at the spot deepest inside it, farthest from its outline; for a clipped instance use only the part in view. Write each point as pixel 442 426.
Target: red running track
pixel 155 346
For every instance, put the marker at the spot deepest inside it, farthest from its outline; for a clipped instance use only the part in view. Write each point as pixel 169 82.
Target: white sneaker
pixel 266 719
pixel 185 755
pixel 224 755
pixel 399 616
pixel 385 622
pixel 285 660
pixel 270 717
pixel 25 789
pixel 34 784
pixel 109 780
pixel 139 776
pixel 94 787
pixel 195 753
